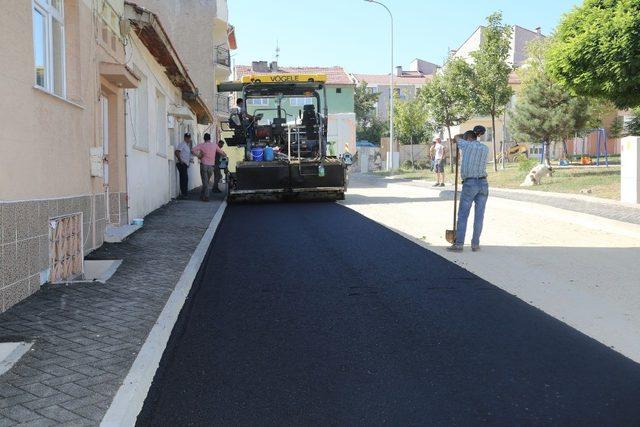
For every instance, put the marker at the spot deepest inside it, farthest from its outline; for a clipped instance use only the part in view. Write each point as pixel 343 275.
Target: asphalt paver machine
pixel 284 140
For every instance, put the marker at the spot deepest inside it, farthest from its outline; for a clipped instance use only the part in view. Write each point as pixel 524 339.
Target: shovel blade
pixel 450 235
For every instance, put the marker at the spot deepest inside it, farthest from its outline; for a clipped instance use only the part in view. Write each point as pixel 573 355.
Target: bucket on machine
pixel 257 154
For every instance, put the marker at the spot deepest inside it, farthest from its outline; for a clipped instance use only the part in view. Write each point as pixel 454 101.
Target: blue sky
pixel 355 34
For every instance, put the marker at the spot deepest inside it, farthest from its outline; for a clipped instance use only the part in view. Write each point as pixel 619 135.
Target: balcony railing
pixel 222 104
pixel 222 56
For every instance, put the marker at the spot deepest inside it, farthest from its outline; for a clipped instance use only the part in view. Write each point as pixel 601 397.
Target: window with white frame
pixel 48 45
pixel 258 101
pixel 161 124
pixel 139 112
pixel 299 102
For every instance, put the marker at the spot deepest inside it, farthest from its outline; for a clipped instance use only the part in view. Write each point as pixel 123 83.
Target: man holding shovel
pixel 475 189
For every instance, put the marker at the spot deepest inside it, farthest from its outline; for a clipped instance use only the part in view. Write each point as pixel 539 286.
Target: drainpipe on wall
pixel 126 158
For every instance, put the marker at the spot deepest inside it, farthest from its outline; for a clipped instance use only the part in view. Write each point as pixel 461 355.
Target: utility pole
pixel 391 91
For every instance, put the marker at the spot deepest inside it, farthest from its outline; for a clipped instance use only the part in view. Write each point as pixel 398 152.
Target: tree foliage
pixel 491 71
pixel 633 126
pixel 596 51
pixel 411 121
pixel 372 130
pixel 364 102
pixel 546 111
pixel 448 96
pixel 369 127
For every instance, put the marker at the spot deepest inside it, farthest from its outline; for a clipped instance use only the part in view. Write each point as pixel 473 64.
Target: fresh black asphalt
pixel 311 314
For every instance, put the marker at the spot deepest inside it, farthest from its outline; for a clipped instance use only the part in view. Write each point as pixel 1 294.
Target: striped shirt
pixel 474 159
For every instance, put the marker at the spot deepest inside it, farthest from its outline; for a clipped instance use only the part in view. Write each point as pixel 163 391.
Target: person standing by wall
pixel 183 158
pixel 475 189
pixel 438 156
pixel 206 152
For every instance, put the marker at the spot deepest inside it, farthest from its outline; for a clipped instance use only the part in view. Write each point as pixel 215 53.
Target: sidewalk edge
pixel 128 401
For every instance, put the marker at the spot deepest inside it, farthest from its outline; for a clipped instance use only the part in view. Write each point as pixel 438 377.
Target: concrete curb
pixel 130 397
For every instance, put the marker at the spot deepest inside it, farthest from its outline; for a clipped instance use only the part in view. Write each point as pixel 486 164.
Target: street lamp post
pixel 390 154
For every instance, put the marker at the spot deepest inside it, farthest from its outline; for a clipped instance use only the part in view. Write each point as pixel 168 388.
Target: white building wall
pixel 470 45
pixel 151 172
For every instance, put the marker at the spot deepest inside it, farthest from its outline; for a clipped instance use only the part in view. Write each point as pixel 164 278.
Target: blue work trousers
pixel 474 191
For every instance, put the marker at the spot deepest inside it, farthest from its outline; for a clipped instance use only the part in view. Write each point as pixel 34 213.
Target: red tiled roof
pixel 383 79
pixel 335 75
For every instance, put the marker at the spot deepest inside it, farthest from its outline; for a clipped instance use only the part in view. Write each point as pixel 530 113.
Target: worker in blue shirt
pixel 475 189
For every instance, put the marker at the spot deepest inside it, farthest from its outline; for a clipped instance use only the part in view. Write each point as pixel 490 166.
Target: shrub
pixel 527 165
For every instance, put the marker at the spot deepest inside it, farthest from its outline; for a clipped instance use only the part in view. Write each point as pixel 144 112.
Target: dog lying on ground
pixel 534 177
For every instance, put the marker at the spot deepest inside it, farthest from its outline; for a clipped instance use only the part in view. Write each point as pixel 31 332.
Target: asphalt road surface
pixel 311 314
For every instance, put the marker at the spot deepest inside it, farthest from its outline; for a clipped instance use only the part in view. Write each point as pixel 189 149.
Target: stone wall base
pixel 24 238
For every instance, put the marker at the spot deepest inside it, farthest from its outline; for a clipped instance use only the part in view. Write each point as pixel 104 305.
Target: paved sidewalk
pixel 86 336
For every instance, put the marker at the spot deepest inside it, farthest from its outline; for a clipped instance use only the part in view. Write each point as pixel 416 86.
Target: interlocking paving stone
pixel 58 413
pixel 39 390
pixel 90 412
pixel 86 336
pixel 43 402
pixel 19 413
pixel 23 398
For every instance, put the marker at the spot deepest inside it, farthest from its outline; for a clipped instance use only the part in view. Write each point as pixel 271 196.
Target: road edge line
pixel 130 397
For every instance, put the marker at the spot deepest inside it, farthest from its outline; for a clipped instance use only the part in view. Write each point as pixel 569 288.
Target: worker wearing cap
pixel 475 189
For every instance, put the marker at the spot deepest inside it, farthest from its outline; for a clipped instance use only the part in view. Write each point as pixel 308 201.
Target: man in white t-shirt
pixel 438 155
pixel 183 158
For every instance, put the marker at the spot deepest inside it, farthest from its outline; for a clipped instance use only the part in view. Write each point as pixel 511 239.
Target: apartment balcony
pixel 222 104
pixel 222 56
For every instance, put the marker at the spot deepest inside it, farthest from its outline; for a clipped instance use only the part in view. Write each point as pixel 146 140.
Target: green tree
pixel 411 121
pixel 546 112
pixel 448 97
pixel 372 129
pixel 633 126
pixel 596 51
pixel 491 72
pixel 368 126
pixel 364 101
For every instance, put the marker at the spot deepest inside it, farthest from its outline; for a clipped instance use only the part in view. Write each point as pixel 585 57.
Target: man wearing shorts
pixel 438 155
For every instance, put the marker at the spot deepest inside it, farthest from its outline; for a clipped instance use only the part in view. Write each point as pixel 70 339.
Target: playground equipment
pixel 601 141
pixel 516 153
pixel 601 148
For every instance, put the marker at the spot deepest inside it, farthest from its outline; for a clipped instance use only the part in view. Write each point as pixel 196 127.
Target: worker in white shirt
pixel 183 158
pixel 438 156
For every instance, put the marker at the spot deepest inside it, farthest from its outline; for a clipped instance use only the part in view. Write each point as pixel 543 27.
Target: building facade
pixel 406 83
pixel 69 166
pixel 159 111
pixel 200 33
pixel 63 89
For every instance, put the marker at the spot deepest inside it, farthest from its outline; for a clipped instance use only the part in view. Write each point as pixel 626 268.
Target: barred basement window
pixel 48 45
pixel 66 247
